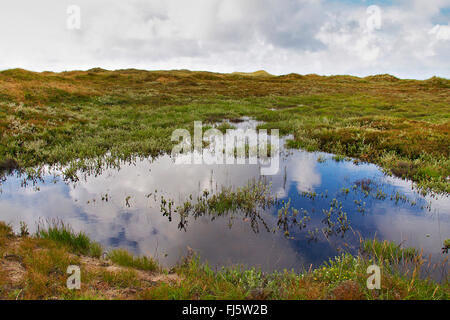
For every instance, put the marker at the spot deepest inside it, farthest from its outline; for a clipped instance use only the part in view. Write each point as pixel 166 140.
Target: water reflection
pixel 122 208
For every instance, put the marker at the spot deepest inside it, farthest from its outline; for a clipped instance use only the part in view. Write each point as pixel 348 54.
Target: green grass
pixel 59 232
pixel 122 279
pixel 343 277
pixel 45 261
pixel 387 250
pixel 86 119
pixel 446 246
pixel 250 199
pixel 126 259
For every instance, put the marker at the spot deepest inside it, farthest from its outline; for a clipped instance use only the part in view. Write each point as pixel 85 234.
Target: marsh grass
pixel 5 230
pixel 446 246
pixel 126 259
pixel 57 231
pixel 44 262
pixel 250 200
pixel 387 250
pixel 66 118
pixel 120 279
pixel 342 277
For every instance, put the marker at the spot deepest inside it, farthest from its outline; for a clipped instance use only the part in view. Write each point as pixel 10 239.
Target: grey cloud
pixel 294 24
pixel 225 35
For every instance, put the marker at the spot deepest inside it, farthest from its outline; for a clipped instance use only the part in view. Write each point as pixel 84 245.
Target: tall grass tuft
pixel 126 259
pixel 56 230
pixel 387 250
pixel 5 230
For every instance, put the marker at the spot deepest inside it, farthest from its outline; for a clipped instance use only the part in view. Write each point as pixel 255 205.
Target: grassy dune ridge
pixel 35 267
pixel 77 118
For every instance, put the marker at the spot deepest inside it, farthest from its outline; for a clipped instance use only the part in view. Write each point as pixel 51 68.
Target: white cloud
pixel 442 33
pixel 303 36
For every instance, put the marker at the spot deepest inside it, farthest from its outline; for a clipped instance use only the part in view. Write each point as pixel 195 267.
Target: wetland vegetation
pixel 34 267
pixel 83 119
pixel 86 121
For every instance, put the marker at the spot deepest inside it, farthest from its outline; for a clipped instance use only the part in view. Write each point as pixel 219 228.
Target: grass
pixel 125 259
pixel 5 230
pixel 36 269
pixel 59 232
pixel 251 200
pixel 446 246
pixel 45 262
pixel 342 278
pixel 86 119
pixel 124 279
pixel 387 250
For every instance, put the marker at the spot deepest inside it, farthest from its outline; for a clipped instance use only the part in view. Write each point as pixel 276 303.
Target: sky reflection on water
pixel 139 225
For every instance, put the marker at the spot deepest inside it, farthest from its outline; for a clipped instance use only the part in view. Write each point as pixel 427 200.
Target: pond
pixel 121 207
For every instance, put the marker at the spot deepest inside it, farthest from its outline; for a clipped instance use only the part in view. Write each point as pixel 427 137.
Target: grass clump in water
pixel 446 246
pixel 251 200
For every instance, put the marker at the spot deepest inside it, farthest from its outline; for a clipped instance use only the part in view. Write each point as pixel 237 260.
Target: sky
pixel 405 38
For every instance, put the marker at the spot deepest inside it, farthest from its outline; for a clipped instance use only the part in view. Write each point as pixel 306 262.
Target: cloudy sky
pixel 407 38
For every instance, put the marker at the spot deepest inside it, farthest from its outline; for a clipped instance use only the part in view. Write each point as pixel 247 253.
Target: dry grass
pixel 34 268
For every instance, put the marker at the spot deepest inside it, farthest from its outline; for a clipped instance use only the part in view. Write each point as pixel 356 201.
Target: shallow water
pixel 121 208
